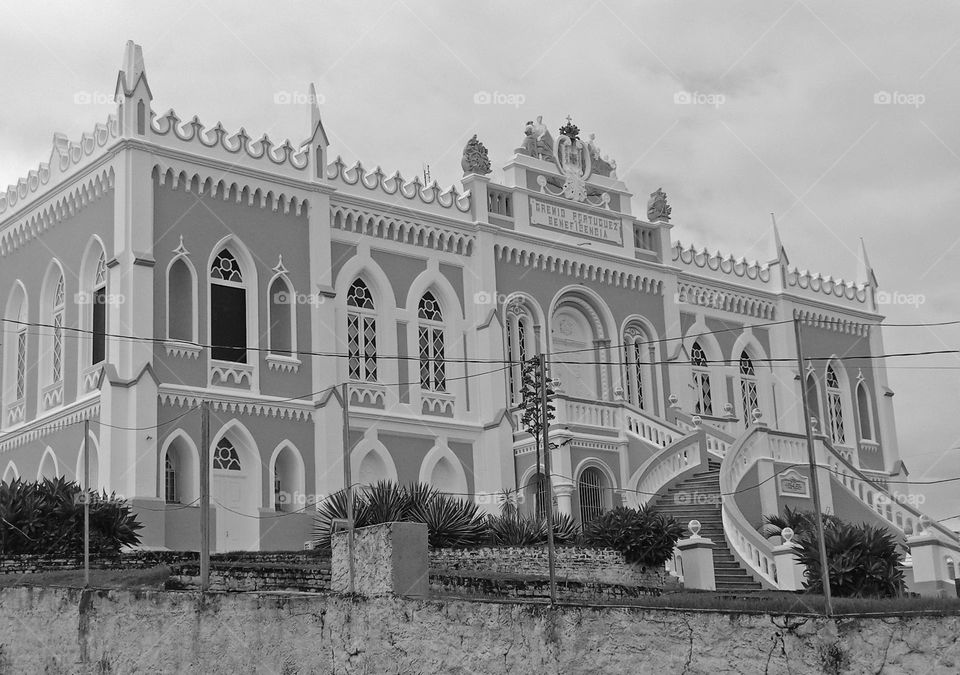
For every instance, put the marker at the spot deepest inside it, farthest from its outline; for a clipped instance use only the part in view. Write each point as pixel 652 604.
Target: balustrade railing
pixel 685 456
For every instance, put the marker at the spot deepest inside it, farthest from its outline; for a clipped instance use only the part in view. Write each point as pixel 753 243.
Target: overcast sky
pixel 784 117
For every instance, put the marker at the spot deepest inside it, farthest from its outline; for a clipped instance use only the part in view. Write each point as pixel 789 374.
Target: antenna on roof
pixel 426 174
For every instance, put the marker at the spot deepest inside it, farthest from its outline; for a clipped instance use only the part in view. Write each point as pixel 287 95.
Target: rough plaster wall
pixel 49 630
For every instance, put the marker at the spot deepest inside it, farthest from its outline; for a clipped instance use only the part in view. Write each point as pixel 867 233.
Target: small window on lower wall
pixel 590 489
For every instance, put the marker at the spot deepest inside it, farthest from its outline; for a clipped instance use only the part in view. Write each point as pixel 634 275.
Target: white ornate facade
pixel 157 263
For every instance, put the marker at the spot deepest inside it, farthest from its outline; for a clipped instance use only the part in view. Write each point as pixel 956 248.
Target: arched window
pixel 590 489
pixel 287 480
pixel 170 481
pixel 225 456
pixel 16 347
pixel 540 496
pixel 864 413
pixel 228 309
pixel 748 388
pixel 703 402
pixel 432 365
pixel 835 407
pixel 180 302
pixel 59 300
pixel 521 346
pixel 98 318
pixel 361 333
pixel 951 569
pixel 282 328
pixel 636 347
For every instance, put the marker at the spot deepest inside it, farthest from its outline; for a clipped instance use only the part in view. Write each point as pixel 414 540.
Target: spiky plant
pixel 643 536
pixel 451 522
pixel 333 508
pixel 515 529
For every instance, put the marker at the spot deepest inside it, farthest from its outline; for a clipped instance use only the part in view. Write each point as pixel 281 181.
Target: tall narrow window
pixel 58 309
pixel 540 496
pixel 863 410
pixel 21 357
pixel 361 333
pixel 748 388
pixel 591 494
pixel 703 404
pixel 225 456
pixel 835 407
pixel 228 309
pixel 180 299
pixel 170 481
pixel 635 363
pixel 99 312
pixel 278 499
pixel 281 317
pixel 432 364
pixel 520 338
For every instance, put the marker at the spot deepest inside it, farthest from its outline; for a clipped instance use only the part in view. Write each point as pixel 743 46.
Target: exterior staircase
pixel 698 498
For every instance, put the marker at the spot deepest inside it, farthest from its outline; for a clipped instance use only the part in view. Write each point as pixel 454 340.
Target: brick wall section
pixel 575 564
pixel 496 586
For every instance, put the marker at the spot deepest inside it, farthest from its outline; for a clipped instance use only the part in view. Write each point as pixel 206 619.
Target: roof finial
pixel 132 70
pixel 779 253
pixel 865 273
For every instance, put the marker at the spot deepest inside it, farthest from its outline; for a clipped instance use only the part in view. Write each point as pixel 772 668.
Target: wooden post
pixel 545 425
pixel 348 478
pixel 814 479
pixel 204 496
pixel 86 503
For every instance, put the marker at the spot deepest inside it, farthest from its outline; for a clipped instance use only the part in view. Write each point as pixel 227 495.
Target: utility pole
pixel 814 478
pixel 545 433
pixel 204 496
pixel 86 503
pixel 347 477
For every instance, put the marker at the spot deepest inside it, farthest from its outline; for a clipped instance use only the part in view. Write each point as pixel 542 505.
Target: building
pixel 157 263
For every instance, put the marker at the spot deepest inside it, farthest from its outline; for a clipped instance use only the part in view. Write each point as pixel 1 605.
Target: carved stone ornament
pixel 537 141
pixel 475 159
pixel 657 208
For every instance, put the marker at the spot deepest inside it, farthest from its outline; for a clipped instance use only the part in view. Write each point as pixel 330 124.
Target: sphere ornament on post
pixel 787 533
pixel 697 421
pixel 757 416
pixel 694 527
pixel 674 401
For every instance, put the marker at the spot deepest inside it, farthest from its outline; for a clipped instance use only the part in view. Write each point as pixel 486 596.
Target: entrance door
pixel 234 492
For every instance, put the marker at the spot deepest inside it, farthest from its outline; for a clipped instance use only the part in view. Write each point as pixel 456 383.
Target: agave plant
pixel 798 520
pixel 451 522
pixel 864 561
pixel 515 529
pixel 333 508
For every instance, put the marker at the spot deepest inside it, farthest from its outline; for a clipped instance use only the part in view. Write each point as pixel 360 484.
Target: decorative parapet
pixel 90 378
pixel 702 295
pixel 88 409
pixel 215 187
pixel 66 155
pixel 239 405
pixel 717 262
pixel 833 322
pixel 395 184
pixel 437 403
pixel 228 373
pixel 404 231
pixel 817 284
pixel 168 130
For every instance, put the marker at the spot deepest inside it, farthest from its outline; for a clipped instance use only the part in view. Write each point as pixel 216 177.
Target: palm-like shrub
pixel 864 561
pixel 450 521
pixel 515 529
pixel 46 517
pixel 798 520
pixel 643 536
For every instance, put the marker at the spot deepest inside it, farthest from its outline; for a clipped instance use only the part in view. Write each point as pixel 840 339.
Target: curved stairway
pixel 698 498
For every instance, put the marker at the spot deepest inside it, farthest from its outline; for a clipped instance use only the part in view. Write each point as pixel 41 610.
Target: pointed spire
pixel 316 124
pixel 779 254
pixel 865 273
pixel 132 71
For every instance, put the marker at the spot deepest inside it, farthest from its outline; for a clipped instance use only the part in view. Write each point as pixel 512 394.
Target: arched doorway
pixel 236 490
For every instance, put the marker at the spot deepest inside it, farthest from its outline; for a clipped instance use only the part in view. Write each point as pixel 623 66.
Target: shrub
pixel 450 522
pixel 798 520
pixel 863 560
pixel 516 529
pixel 46 517
pixel 642 535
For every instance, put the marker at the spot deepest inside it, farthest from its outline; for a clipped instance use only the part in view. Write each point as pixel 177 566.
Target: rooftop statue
pixel 475 159
pixel 537 142
pixel 601 164
pixel 657 207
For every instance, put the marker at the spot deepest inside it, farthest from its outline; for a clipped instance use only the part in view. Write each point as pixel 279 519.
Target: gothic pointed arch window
pixel 181 300
pixel 864 412
pixel 170 481
pixel 225 456
pixel 98 316
pixel 228 309
pixel 433 369
pixel 637 373
pixel 361 333
pixel 703 396
pixel 521 345
pixel 281 302
pixel 59 304
pixel 14 346
pixel 835 406
pixel 748 388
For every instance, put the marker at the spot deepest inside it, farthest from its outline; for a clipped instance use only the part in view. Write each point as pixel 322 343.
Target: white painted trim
pixel 195 284
pixel 440 452
pixel 374 446
pixel 48 452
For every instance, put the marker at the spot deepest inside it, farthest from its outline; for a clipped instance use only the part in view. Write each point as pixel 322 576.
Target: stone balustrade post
pixel 790 570
pixel 696 555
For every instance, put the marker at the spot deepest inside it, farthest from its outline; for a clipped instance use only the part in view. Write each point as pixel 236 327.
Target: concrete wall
pixel 53 630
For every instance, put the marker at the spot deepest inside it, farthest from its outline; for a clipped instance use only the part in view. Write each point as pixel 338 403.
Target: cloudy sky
pixel 840 118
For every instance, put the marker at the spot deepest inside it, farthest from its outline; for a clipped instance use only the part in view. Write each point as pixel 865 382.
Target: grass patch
pixel 149 578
